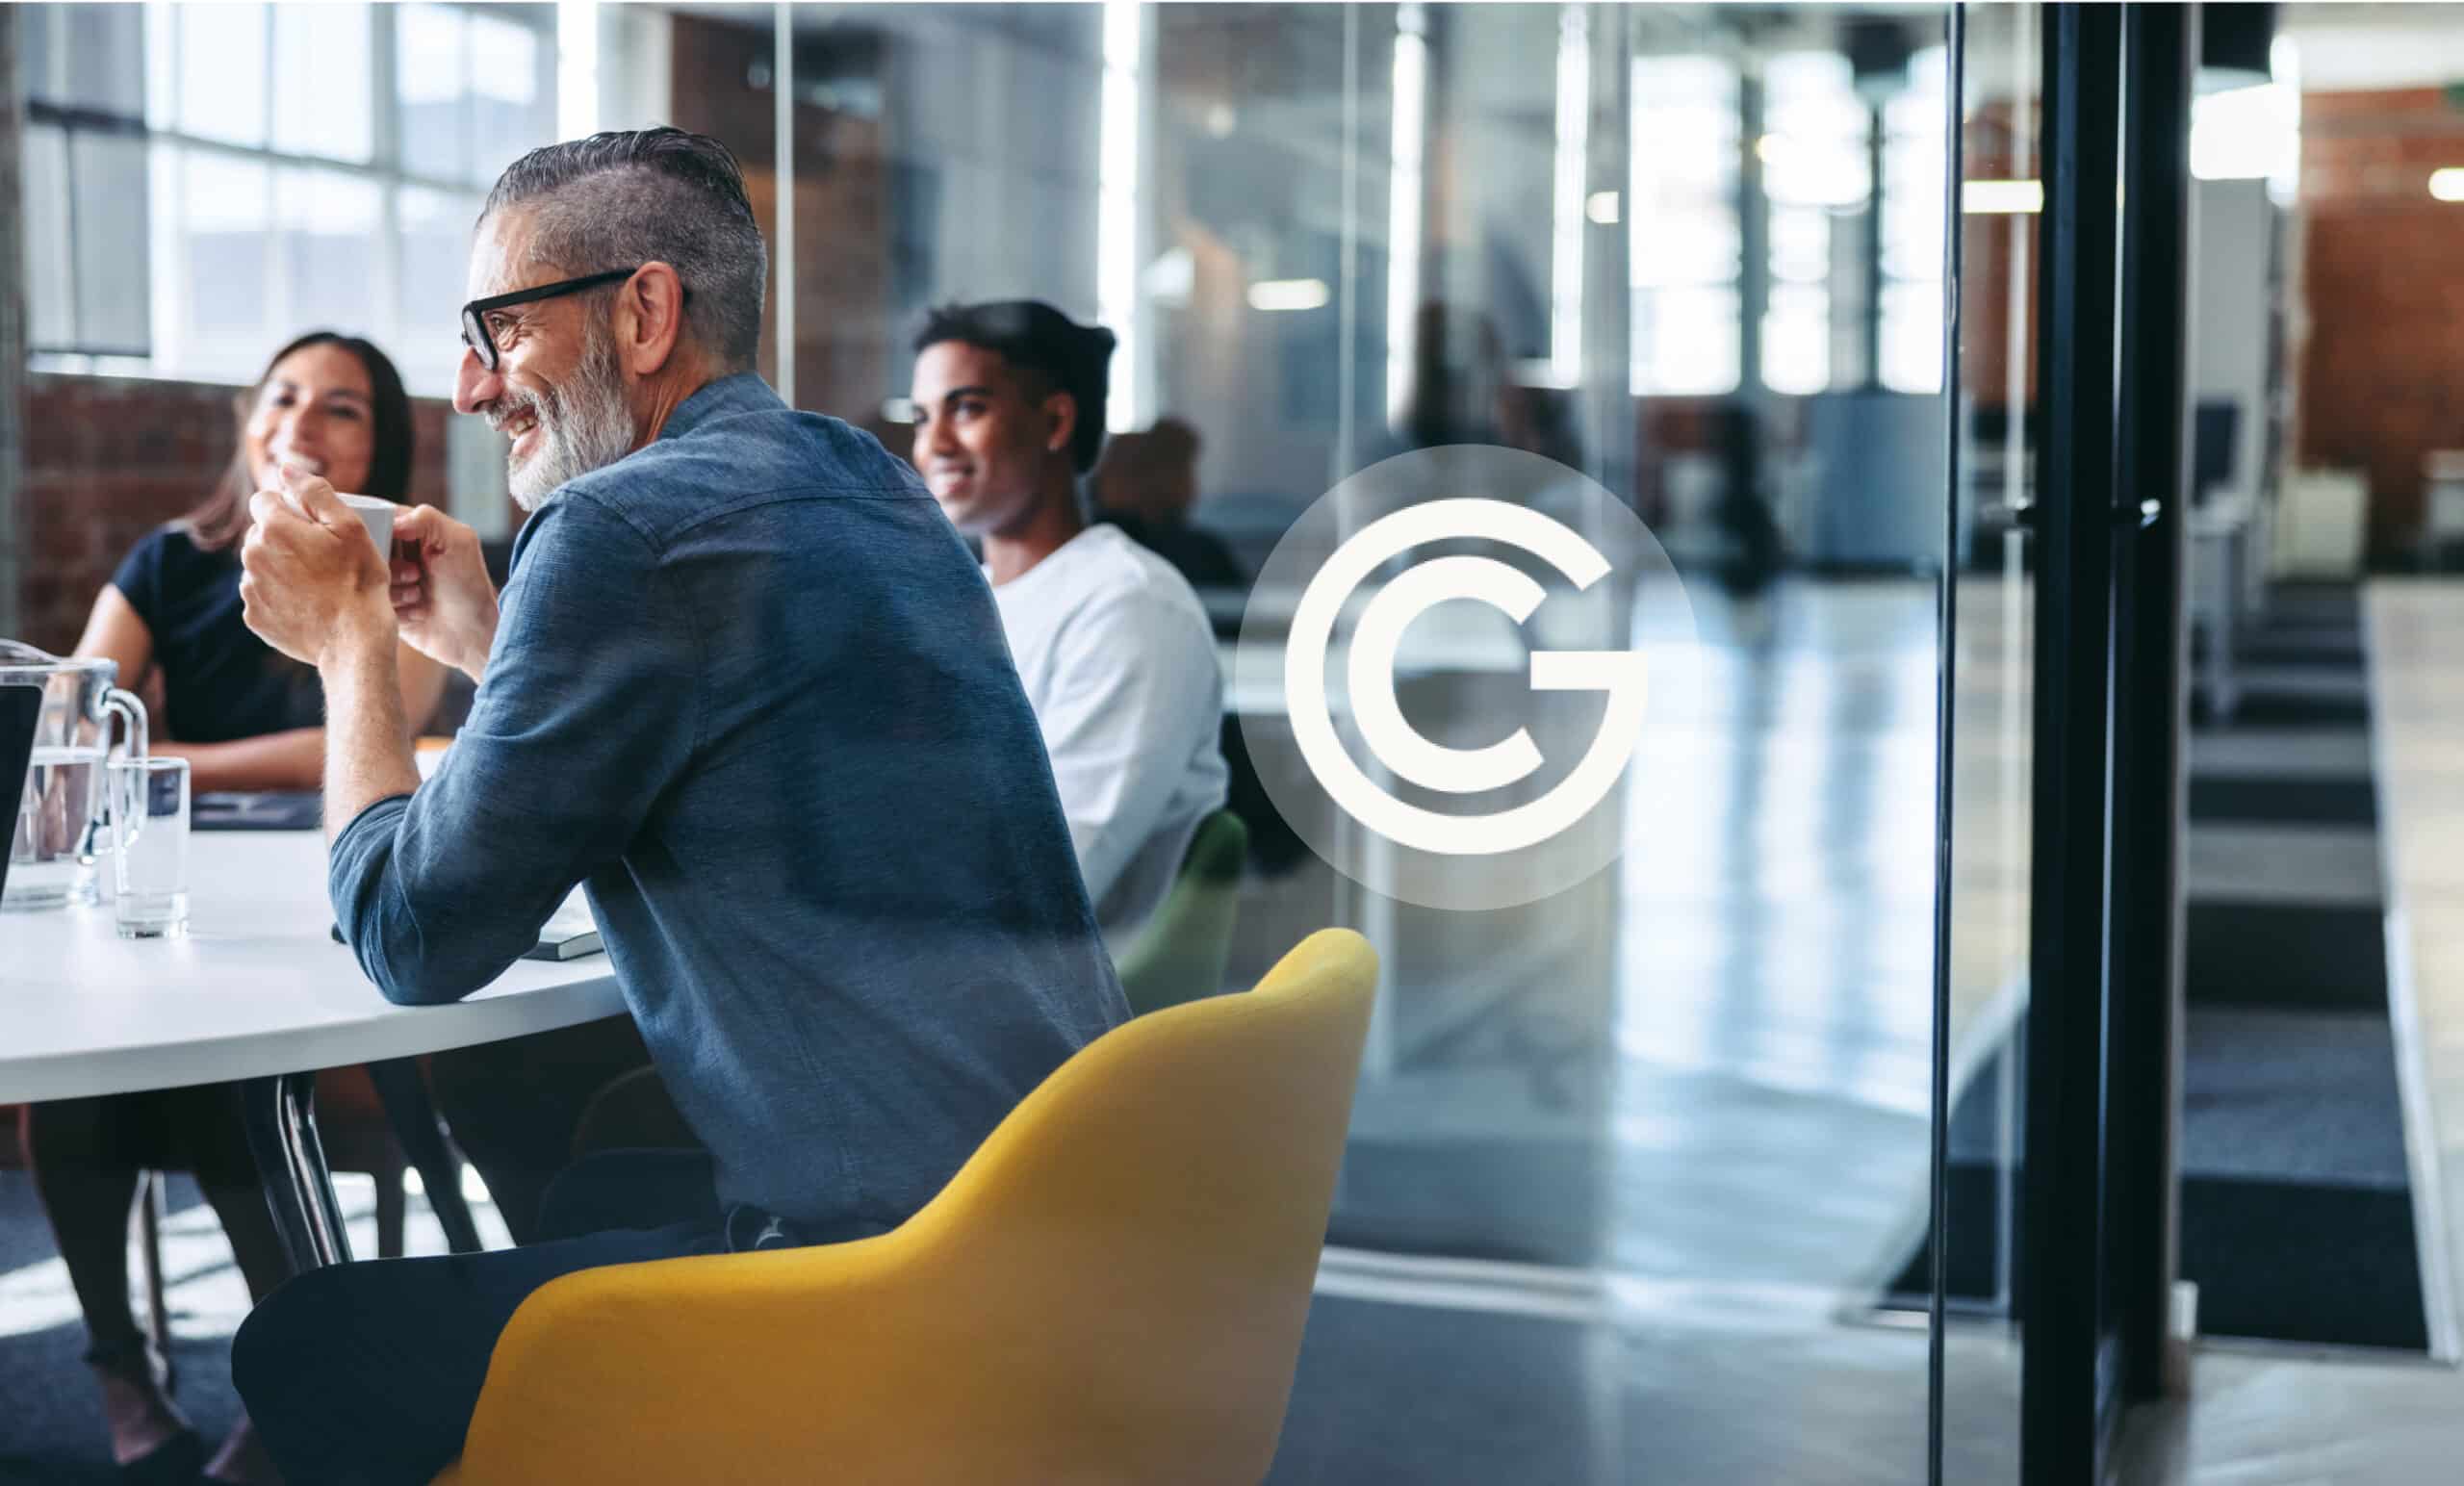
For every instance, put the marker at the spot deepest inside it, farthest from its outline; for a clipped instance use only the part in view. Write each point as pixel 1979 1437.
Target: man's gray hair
pixel 625 199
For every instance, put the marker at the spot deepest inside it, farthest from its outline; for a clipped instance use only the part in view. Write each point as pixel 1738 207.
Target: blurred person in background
pixel 1113 647
pixel 1145 484
pixel 246 717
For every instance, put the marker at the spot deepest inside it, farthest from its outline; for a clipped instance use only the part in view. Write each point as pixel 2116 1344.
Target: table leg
pixel 282 1134
pixel 404 1093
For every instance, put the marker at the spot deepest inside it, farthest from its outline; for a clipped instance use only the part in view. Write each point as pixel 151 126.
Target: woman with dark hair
pixel 246 718
pixel 241 715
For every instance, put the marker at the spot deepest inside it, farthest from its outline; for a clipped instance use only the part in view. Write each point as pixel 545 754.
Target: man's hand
pixel 311 580
pixel 442 597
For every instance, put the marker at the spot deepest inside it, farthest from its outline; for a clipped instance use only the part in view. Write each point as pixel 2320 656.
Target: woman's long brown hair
pixel 222 519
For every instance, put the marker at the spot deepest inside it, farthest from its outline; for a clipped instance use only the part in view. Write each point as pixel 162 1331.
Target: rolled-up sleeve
pixel 587 714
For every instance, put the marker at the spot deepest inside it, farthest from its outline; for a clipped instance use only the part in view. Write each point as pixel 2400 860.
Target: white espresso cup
pixel 376 514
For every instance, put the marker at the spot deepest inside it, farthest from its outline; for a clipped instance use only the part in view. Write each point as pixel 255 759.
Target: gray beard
pixel 584 424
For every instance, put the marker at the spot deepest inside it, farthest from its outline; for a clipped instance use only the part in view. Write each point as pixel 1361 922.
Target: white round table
pixel 257 991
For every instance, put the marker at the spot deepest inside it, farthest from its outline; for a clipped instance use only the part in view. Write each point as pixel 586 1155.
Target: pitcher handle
pixel 108 819
pixel 131 710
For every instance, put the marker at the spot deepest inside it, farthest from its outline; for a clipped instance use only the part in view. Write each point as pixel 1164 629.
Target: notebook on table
pixel 569 933
pixel 267 810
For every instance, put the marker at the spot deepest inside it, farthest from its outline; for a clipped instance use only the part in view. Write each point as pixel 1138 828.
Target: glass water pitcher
pixel 53 846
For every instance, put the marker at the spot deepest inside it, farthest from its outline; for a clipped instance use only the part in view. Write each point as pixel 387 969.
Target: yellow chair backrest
pixel 1112 1289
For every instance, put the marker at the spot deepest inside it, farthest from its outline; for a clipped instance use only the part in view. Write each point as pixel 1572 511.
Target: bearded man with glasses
pixel 747 685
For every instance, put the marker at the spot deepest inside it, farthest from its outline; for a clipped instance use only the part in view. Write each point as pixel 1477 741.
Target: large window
pixel 192 214
pixel 1686 245
pixel 1915 150
pixel 81 69
pixel 1818 179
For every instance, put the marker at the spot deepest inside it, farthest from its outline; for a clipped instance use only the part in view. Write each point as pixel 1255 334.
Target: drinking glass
pixel 148 800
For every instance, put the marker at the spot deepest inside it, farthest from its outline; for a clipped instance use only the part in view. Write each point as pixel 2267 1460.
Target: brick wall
pixel 108 458
pixel 2381 376
pixel 1997 144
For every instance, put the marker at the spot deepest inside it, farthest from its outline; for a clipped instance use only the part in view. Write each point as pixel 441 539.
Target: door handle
pixel 2008 516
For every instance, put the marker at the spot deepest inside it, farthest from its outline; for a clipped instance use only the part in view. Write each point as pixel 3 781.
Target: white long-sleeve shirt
pixel 1119 661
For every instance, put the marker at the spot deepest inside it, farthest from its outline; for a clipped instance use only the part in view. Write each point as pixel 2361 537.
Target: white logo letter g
pixel 1371 675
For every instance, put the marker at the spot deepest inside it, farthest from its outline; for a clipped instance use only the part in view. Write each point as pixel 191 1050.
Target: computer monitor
pixel 2216 432
pixel 20 708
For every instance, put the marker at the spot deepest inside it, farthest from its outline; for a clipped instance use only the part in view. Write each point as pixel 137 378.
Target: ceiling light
pixel 2001 197
pixel 1306 293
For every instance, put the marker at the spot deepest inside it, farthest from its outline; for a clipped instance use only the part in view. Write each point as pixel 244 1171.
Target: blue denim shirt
pixel 751 689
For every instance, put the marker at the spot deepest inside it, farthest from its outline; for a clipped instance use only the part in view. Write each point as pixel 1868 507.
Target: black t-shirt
pixel 219 682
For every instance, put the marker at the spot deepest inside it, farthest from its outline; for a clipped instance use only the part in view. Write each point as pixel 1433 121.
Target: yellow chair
pixel 1112 1289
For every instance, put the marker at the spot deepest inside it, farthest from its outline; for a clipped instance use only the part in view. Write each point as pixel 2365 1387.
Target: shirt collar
pixel 744 392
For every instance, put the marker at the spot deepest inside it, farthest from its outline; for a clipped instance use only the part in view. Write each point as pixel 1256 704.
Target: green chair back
pixel 1181 954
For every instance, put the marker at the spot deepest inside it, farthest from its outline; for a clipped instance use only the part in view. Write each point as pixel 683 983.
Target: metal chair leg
pixel 151 1199
pixel 390 1209
pixel 404 1091
pixel 281 1112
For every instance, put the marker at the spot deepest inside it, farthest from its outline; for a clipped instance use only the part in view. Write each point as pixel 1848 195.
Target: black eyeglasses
pixel 475 315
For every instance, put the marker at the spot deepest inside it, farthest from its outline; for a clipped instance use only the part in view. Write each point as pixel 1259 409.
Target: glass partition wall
pixel 2001 199
pixel 1638 1170
pixel 1640 1173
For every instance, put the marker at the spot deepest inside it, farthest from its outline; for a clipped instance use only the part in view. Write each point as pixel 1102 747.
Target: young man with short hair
pixel 1116 651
